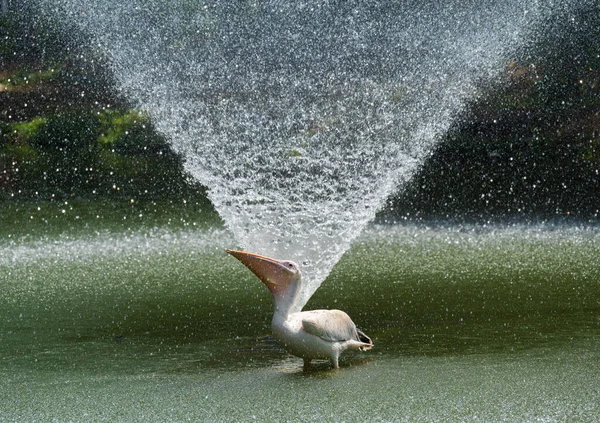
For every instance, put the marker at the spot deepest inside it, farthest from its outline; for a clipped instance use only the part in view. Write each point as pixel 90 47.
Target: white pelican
pixel 317 334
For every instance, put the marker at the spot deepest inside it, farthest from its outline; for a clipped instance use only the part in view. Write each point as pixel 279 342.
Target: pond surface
pixel 156 323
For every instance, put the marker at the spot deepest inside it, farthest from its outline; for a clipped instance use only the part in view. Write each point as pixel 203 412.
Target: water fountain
pixel 302 119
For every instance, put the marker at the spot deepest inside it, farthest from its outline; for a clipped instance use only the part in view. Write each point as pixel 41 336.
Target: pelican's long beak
pixel 270 271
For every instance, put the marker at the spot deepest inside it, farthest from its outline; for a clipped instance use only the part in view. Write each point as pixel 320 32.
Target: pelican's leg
pixel 307 364
pixel 334 361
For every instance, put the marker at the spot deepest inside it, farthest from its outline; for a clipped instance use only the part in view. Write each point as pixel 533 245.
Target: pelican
pixel 316 334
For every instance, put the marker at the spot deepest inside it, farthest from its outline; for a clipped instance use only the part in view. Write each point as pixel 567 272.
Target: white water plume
pixel 301 118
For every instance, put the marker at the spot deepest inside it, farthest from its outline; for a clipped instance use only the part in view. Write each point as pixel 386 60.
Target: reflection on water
pixel 475 324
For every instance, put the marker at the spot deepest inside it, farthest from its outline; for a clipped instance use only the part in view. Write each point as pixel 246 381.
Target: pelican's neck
pixel 286 301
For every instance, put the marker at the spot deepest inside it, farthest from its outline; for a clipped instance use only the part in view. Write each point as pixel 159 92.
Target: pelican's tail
pixel 368 344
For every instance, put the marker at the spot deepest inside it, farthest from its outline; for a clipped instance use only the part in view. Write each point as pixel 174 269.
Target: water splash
pixel 302 118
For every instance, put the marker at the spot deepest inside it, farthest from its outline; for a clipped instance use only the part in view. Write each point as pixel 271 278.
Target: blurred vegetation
pixel 64 132
pixel 527 146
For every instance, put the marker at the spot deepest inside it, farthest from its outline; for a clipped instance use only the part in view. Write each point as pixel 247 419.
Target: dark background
pixel 527 148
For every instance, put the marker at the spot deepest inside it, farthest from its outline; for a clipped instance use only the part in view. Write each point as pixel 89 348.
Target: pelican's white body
pixel 318 334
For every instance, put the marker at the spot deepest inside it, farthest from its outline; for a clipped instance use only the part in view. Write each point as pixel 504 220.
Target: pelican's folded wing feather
pixel 330 325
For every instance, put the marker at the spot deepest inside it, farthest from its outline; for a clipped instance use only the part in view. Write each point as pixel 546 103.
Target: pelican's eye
pixel 289 265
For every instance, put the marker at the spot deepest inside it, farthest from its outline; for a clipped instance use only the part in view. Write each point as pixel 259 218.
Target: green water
pixel 153 322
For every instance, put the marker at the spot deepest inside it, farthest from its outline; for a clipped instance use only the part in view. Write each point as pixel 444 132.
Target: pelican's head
pixel 277 275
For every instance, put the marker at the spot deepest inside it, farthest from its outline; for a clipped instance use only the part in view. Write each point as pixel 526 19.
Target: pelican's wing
pixel 330 325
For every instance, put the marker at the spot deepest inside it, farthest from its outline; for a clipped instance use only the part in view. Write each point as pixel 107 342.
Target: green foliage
pixel 115 125
pixel 19 153
pixel 24 77
pixel 130 133
pixel 82 152
pixel 26 131
pixel 68 133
